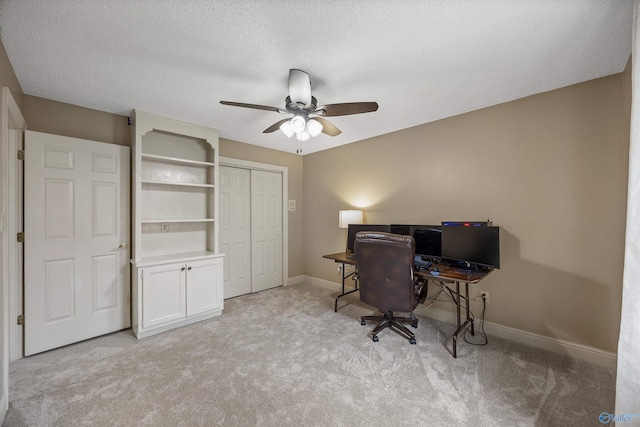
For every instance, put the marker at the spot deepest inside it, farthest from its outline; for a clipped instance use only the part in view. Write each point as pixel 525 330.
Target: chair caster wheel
pixel 362 322
pixel 415 324
pixel 374 338
pixel 412 340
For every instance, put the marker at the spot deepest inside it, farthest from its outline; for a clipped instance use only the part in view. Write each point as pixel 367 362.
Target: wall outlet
pixel 485 295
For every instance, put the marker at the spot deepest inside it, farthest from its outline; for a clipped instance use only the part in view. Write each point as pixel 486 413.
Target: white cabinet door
pixel 204 286
pixel 163 294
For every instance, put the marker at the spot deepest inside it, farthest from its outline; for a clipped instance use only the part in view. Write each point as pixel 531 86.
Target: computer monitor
pixel 479 246
pixel 354 228
pixel 404 229
pixel 428 240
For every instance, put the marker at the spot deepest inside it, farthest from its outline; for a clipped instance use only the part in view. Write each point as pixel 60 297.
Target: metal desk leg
pixel 461 327
pixel 344 277
pixel 466 291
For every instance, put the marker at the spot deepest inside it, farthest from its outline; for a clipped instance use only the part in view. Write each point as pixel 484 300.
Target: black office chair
pixel 387 281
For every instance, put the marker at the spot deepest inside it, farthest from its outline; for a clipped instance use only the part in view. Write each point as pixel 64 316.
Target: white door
pixel 76 224
pixel 266 229
pixel 235 229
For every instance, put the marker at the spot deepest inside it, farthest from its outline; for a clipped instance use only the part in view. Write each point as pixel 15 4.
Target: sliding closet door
pixel 251 229
pixel 235 229
pixel 266 229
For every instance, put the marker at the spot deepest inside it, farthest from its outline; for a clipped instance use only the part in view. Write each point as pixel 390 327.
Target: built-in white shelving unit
pixel 176 257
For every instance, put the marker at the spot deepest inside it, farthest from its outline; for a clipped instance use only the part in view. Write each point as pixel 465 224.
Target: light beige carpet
pixel 283 358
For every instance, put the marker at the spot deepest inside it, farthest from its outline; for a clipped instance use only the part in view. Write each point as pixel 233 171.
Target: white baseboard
pixel 578 351
pixel 296 280
pixel 327 284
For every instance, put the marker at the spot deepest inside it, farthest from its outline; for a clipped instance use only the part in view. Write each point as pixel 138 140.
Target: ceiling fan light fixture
pixel 300 103
pixel 287 129
pixel 314 127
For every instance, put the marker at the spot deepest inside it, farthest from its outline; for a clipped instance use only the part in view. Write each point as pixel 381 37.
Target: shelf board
pixel 176 160
pixel 180 257
pixel 181 184
pixel 159 221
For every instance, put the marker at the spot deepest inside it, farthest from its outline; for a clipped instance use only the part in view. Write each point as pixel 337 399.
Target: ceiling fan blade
pixel 274 127
pixel 254 106
pixel 327 127
pixel 299 87
pixel 346 108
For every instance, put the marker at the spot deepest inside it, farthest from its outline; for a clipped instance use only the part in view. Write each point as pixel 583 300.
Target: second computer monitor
pixel 428 240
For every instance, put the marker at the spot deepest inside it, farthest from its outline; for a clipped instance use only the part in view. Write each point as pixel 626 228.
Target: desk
pixel 446 274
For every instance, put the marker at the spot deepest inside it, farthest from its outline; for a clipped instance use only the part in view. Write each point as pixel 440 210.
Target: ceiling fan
pixel 307 120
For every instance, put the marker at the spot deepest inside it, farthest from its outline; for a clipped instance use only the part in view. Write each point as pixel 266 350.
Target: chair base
pixel 394 323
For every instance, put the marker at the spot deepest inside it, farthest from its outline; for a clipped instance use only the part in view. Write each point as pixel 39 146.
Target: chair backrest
pixel 385 270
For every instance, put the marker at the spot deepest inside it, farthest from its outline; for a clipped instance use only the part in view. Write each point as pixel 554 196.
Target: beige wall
pixel 550 169
pixel 8 77
pixel 59 118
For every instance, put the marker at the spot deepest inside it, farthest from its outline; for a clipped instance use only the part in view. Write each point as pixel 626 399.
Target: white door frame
pixel 16 250
pixel 11 118
pixel 247 164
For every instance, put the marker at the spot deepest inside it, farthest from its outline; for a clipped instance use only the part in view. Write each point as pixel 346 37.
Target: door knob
pixel 122 246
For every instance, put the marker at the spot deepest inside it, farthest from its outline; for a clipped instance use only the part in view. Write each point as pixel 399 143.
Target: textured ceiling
pixel 420 60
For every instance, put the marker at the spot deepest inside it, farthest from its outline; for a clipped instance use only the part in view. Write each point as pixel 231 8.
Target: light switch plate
pixel 292 205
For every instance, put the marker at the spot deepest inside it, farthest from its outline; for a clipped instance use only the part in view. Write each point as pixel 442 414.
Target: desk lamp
pixel 350 216
pixel 347 217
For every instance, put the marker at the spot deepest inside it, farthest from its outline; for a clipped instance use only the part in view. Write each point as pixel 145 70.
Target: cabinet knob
pixel 182 268
pixel 189 268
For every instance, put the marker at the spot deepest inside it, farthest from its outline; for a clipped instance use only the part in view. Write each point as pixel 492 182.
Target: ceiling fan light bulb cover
pixel 287 129
pixel 298 124
pixel 314 127
pixel 303 136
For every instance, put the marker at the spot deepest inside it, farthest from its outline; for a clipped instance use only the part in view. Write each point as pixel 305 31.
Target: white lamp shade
pixel 303 136
pixel 298 124
pixel 350 216
pixel 287 129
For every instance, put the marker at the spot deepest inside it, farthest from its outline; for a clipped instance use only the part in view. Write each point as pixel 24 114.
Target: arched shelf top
pixel 147 122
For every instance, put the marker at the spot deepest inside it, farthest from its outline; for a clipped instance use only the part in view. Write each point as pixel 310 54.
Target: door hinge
pixel 20 320
pixel 20 237
pixel 20 154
